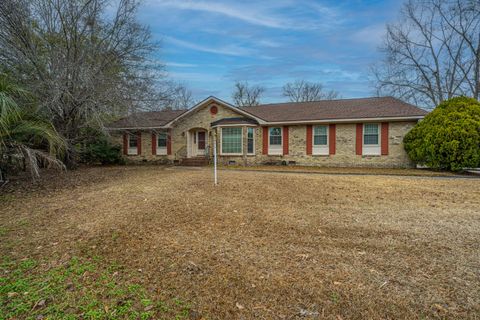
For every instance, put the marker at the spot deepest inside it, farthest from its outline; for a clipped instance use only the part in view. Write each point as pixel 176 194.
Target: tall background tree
pixel 302 91
pixel 432 53
pixel 83 61
pixel 179 97
pixel 246 95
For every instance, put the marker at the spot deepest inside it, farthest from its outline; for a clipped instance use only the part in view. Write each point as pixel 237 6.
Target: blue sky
pixel 208 45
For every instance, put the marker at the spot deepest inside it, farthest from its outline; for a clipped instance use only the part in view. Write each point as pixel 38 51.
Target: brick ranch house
pixel 364 132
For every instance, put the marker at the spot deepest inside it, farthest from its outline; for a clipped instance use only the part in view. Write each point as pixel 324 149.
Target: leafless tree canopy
pixel 245 95
pixel 84 63
pixel 432 53
pixel 302 91
pixel 179 98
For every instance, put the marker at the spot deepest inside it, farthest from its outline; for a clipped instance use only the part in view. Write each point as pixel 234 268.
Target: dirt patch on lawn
pixel 264 245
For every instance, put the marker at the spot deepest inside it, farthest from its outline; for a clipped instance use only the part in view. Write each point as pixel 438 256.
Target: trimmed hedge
pixel 449 137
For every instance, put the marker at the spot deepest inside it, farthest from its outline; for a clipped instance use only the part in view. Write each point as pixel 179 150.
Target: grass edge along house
pixel 365 132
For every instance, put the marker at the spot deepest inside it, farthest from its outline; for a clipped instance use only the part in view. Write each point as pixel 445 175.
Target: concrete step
pixel 194 162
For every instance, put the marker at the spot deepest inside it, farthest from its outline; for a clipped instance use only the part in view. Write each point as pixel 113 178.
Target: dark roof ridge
pixel 324 100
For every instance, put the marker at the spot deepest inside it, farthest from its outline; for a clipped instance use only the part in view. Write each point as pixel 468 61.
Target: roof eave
pixel 351 120
pixel 136 128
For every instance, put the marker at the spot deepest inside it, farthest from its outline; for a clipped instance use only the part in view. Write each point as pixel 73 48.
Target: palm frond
pixel 33 156
pixel 24 134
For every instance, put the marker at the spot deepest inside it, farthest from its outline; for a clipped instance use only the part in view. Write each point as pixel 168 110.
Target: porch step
pixel 194 162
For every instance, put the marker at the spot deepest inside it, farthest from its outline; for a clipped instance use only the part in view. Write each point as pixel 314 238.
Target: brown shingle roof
pixel 380 107
pixel 151 119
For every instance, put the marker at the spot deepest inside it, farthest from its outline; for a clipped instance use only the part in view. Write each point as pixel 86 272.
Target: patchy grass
pixel 260 245
pixel 77 288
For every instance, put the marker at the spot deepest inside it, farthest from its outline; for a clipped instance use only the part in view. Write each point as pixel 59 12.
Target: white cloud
pixel 370 35
pixel 242 13
pixel 180 65
pixel 231 50
pixel 195 76
pixel 259 14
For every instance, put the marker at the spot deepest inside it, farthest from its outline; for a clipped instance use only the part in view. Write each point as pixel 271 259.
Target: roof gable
pixel 214 100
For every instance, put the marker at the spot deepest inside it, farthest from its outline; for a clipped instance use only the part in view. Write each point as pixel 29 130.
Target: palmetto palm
pixel 23 135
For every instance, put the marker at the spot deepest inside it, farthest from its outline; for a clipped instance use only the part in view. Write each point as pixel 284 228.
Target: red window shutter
pixel 332 139
pixel 125 143
pixel 265 140
pixel 285 140
pixel 384 137
pixel 359 138
pixel 154 143
pixel 309 139
pixel 169 142
pixel 139 143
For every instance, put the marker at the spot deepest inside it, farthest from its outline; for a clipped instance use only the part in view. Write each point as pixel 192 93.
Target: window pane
pixel 275 136
pixel 250 133
pixel 370 134
pixel 320 135
pixel 276 131
pixel 320 140
pixel 370 139
pixel 250 140
pixel 275 140
pixel 371 128
pixel 320 130
pixel 231 140
pixel 162 140
pixel 132 141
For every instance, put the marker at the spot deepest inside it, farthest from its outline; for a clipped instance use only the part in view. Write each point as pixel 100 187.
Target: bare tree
pixel 82 62
pixel 245 95
pixel 181 98
pixel 432 53
pixel 302 91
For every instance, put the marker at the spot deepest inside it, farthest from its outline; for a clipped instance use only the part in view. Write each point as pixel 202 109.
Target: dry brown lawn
pixel 264 245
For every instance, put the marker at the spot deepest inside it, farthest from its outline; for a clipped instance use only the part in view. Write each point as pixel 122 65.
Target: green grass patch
pixel 79 289
pixel 6 198
pixel 3 231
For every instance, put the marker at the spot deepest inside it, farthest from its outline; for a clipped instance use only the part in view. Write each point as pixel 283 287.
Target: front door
pixel 200 143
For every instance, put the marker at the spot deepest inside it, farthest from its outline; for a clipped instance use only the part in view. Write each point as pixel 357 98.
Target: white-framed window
pixel 132 143
pixel 250 140
pixel 275 141
pixel 320 140
pixel 371 139
pixel 231 141
pixel 162 143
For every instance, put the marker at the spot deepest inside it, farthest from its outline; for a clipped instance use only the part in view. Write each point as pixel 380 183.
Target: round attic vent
pixel 213 109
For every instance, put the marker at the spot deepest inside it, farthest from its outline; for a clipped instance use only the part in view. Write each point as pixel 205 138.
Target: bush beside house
pixel 98 148
pixel 449 137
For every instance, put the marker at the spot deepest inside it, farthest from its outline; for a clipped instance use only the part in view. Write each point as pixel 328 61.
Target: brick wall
pixel 344 155
pixel 345 149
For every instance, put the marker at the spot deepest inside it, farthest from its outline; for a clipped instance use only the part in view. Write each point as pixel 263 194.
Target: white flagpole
pixel 215 157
